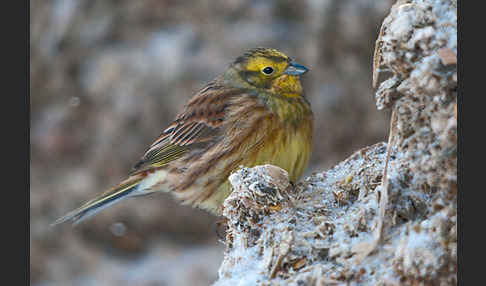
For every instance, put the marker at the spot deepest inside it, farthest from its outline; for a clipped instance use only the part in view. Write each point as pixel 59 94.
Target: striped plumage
pixel 244 117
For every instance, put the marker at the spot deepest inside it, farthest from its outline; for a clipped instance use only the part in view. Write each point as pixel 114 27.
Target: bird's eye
pixel 267 70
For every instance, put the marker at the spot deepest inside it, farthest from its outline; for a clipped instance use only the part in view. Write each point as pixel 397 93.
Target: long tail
pixel 123 190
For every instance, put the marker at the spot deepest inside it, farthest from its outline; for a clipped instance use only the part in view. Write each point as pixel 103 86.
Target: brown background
pixel 108 76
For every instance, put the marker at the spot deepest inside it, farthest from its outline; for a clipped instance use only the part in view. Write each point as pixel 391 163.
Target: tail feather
pixel 124 190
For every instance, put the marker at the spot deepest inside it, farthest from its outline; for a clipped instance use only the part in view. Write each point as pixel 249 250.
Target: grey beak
pixel 295 69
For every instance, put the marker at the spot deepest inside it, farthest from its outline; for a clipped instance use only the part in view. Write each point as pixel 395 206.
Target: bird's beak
pixel 295 69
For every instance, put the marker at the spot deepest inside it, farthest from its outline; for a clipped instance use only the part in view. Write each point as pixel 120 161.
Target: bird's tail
pixel 123 190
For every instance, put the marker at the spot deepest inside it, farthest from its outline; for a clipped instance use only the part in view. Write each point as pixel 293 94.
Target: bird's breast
pixel 288 148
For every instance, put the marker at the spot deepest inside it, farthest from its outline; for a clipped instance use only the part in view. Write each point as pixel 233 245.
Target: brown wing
pixel 198 125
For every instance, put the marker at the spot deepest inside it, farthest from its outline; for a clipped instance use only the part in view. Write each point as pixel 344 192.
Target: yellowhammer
pixel 254 113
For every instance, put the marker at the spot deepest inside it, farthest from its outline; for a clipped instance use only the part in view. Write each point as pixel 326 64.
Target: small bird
pixel 252 114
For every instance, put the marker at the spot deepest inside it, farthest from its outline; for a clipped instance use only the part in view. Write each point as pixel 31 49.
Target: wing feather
pixel 201 121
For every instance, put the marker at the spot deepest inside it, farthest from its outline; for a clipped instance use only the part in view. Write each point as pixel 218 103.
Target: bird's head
pixel 269 69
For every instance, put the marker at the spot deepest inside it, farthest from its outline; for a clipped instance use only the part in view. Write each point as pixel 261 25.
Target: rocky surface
pixel 386 215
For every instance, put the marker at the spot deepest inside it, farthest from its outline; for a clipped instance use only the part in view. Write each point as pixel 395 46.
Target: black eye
pixel 268 70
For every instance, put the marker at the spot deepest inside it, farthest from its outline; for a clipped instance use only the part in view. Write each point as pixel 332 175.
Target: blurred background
pixel 106 77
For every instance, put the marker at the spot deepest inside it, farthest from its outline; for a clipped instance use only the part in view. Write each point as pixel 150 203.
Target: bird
pixel 254 113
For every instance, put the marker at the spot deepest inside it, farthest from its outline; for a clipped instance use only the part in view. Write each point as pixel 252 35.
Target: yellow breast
pixel 288 149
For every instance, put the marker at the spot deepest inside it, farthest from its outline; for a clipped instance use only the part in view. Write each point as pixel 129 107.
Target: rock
pixel 368 220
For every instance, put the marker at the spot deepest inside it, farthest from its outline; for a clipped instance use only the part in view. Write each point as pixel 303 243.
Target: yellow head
pixel 271 70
